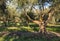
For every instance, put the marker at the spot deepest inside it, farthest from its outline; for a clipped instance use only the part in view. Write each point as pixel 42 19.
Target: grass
pixel 21 39
pixel 32 28
pixel 18 38
pixel 53 28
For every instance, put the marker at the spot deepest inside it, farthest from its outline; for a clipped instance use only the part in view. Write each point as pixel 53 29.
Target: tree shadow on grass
pixel 30 36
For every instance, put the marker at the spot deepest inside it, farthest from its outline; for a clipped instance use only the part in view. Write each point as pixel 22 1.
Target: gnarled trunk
pixel 42 27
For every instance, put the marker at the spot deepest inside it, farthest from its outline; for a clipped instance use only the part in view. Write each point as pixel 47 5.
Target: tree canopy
pixel 27 9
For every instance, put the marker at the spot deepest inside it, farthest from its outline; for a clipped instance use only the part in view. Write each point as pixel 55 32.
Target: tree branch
pixel 50 13
pixel 34 21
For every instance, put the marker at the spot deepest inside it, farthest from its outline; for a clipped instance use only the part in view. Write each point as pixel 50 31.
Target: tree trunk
pixel 42 27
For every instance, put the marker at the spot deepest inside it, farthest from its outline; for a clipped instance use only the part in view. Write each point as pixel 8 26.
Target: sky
pixel 14 5
pixel 46 5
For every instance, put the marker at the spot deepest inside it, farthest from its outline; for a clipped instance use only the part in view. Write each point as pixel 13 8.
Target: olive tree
pixel 41 16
